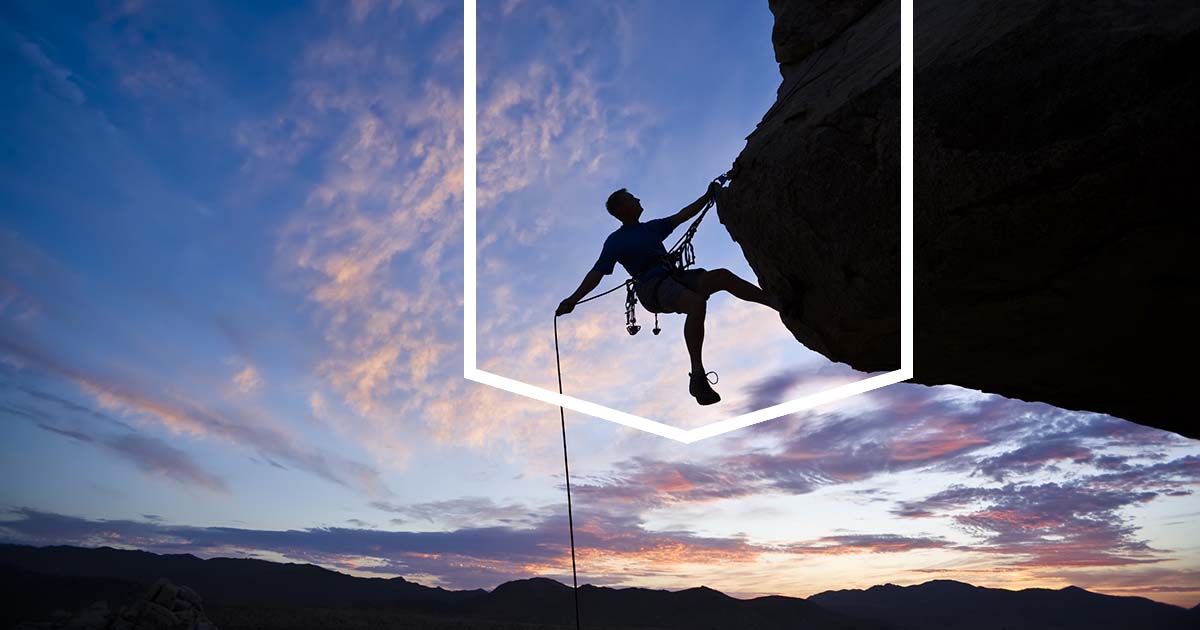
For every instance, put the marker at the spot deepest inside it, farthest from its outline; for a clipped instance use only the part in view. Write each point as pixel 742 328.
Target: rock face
pixel 164 607
pixel 1057 215
pixel 815 202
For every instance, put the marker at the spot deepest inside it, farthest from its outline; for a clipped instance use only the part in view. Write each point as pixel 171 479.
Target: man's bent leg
pixel 726 280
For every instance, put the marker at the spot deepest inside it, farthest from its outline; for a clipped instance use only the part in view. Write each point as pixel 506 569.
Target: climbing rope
pixel 562 418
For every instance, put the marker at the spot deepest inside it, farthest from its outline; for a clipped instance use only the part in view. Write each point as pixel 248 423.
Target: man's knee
pixel 715 280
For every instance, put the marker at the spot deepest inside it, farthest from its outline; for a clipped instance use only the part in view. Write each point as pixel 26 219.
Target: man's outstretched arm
pixel 694 208
pixel 590 281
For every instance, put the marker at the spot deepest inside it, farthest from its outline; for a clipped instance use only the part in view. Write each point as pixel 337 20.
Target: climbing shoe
pixel 701 390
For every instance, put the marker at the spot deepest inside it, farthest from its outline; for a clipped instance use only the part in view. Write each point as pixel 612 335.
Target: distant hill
pixel 271 595
pixel 946 604
pixel 540 600
pixel 276 591
pixel 233 581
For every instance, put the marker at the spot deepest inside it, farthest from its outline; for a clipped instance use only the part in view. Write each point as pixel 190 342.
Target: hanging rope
pixel 562 417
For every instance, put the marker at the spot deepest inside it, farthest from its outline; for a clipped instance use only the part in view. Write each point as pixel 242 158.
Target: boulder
pixel 165 606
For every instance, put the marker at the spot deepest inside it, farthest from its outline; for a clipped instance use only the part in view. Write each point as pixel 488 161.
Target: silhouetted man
pixel 639 248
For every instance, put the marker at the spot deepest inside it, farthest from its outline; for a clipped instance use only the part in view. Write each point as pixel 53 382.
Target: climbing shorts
pixel 663 294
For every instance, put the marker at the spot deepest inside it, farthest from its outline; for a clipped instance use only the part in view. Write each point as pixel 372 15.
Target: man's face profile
pixel 628 208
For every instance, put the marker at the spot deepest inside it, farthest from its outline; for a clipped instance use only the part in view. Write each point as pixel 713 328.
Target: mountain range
pixel 35 581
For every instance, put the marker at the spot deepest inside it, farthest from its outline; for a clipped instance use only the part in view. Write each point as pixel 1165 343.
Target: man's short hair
pixel 612 200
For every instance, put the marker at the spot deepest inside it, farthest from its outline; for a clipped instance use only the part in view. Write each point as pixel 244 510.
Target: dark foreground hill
pixel 241 593
pixel 230 581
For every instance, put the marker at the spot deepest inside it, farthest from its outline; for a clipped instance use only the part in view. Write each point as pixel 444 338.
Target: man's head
pixel 624 206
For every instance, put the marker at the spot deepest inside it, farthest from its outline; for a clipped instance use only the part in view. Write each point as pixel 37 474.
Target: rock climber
pixel 661 288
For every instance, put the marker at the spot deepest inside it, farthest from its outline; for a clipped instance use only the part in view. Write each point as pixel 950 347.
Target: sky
pixel 231 321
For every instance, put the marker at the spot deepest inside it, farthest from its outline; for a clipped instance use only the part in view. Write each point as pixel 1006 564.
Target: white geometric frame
pixel 688 436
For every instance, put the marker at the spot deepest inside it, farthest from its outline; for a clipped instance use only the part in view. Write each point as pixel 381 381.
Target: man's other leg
pixel 716 280
pixel 695 307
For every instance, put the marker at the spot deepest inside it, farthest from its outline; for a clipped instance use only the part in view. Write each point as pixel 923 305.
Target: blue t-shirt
pixel 638 247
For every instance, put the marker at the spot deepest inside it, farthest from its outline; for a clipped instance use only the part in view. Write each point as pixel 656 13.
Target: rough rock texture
pixel 815 200
pixel 1057 212
pixel 164 607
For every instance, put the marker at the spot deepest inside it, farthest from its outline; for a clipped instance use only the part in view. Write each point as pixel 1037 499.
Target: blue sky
pixel 230 320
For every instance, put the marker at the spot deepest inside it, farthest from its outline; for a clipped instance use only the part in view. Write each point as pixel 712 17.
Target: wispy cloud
pixel 156 457
pixel 462 512
pixel 1045 524
pixel 374 248
pixel 1034 523
pixel 868 543
pixel 247 379
pixel 149 454
pixel 545 118
pixel 60 80
pixel 190 418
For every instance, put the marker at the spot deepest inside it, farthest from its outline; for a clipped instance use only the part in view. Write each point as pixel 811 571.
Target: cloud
pixel 1045 525
pixel 646 483
pixel 375 247
pixel 247 380
pixel 156 457
pixel 74 435
pixel 774 388
pixel 148 454
pixel 462 512
pixel 1076 522
pixel 1032 457
pixel 1172 475
pixel 535 123
pixel 60 80
pixel 1177 585
pixel 158 71
pixel 184 416
pixel 70 406
pixel 868 543
pixel 462 558
pixel 423 10
pixel 895 431
pixel 546 116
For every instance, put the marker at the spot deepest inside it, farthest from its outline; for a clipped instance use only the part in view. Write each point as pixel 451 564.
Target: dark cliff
pixel 1055 196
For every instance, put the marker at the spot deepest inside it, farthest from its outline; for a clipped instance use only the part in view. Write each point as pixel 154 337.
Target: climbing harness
pixel 681 256
pixel 631 310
